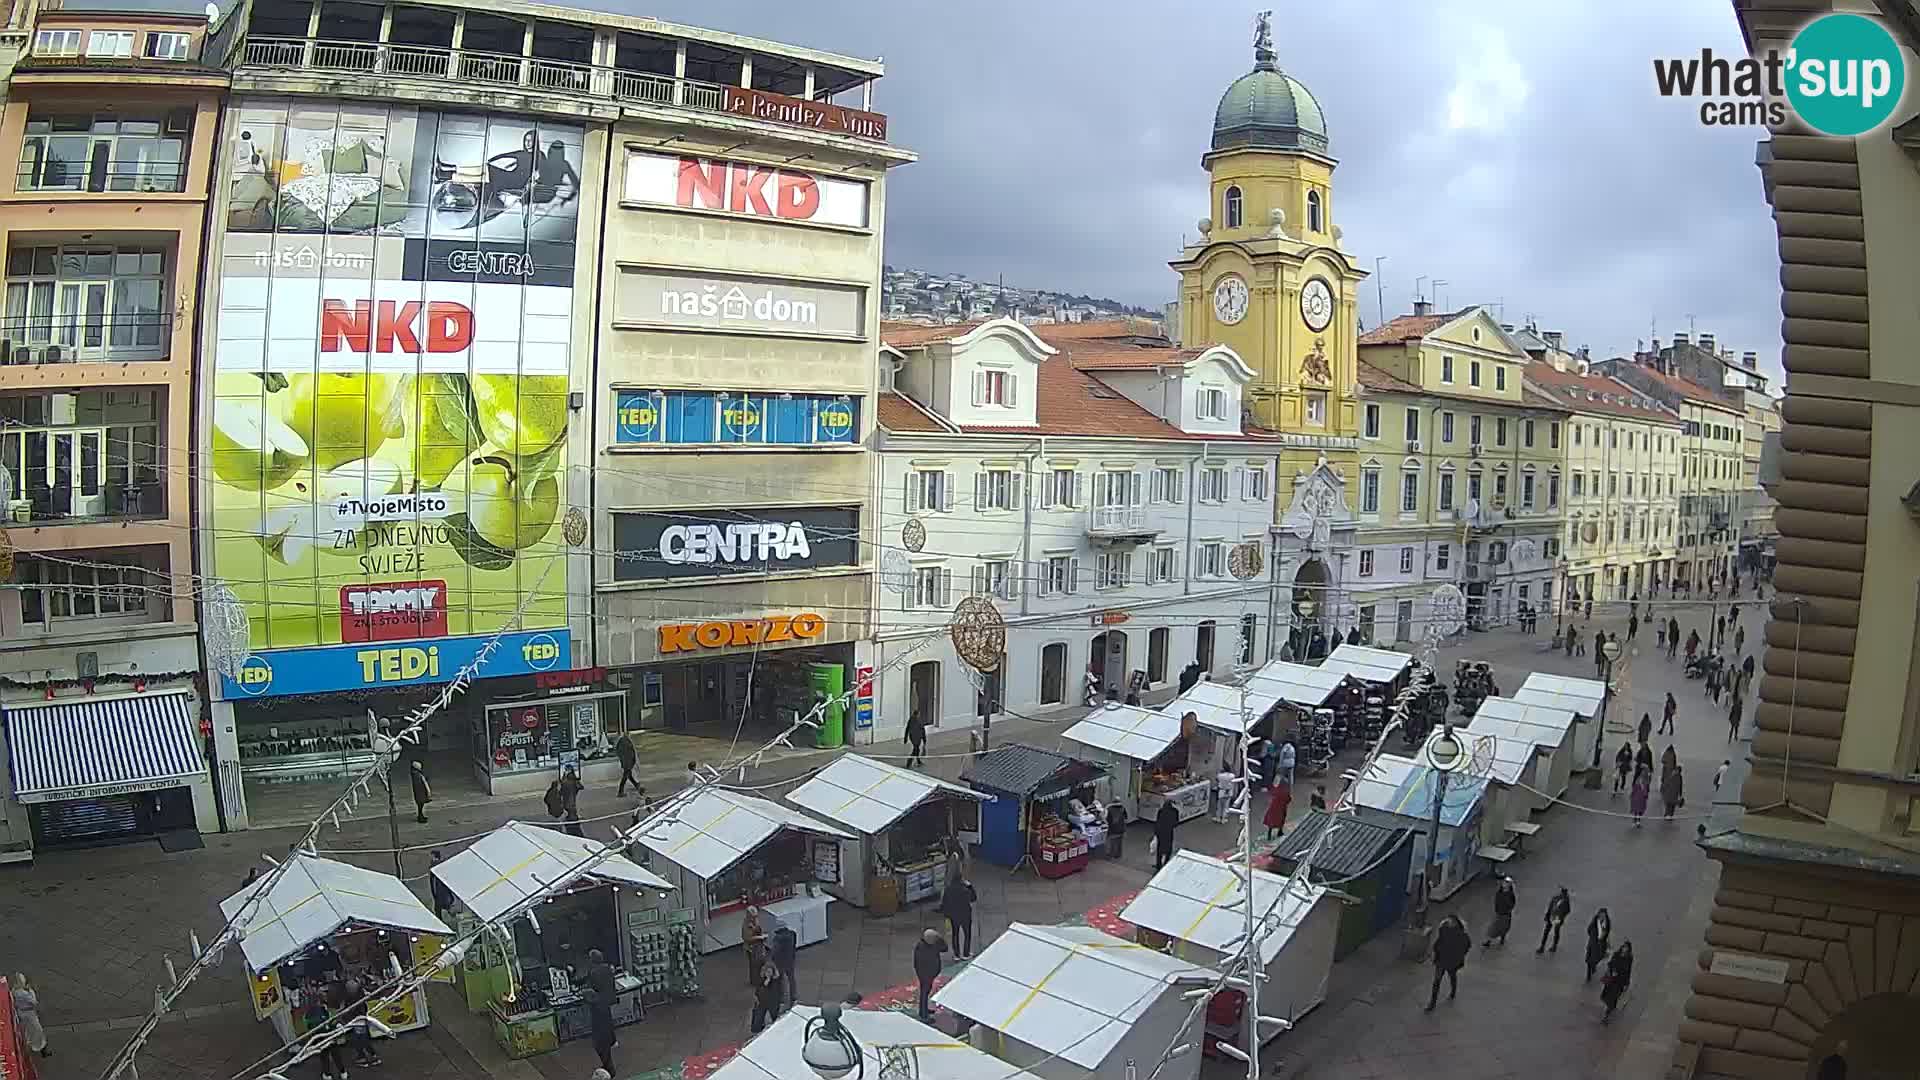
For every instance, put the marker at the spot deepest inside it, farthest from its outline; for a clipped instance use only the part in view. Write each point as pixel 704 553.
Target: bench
pixel 1519 831
pixel 1496 855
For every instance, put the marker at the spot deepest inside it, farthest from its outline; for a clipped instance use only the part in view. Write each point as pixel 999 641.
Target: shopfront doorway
pixel 923 691
pixel 1108 660
pixel 1203 647
pixel 110 819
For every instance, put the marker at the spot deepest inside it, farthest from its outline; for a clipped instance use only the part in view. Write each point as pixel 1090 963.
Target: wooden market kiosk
pixel 1398 793
pixel 1146 751
pixel 1193 910
pixel 1030 815
pixel 776 1053
pixel 1223 715
pixel 1586 699
pixel 324 920
pixel 1548 727
pixel 905 825
pixel 536 995
pixel 726 851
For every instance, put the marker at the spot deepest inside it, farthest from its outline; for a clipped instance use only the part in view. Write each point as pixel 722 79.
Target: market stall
pixel 326 920
pixel 775 1054
pixel 1045 807
pixel 1549 727
pixel 1147 754
pixel 904 824
pixel 1513 767
pixel 1381 667
pixel 1075 1003
pixel 1195 909
pixel 1586 699
pixel 1223 716
pixel 1369 862
pixel 726 851
pixel 1399 794
pixel 1308 692
pixel 535 994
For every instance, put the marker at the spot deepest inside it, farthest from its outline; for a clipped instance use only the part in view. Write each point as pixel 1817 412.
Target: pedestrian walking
pixel 1633 628
pixel 1667 714
pixel 1660 636
pixel 957 905
pixel 1693 644
pixel 1504 900
pixel 1739 639
pixel 1116 829
pixel 766 999
pixel 1720 774
pixel 1672 790
pixel 1719 631
pixel 422 791
pixel 1589 611
pixel 1599 929
pixel 1619 977
pixel 1669 761
pixel 601 992
pixel 783 947
pixel 570 787
pixel 1163 826
pixel 1719 675
pixel 26 1016
pixel 753 939
pixel 926 967
pixel 1622 767
pixel 1673 636
pixel 629 756
pixel 1646 728
pixel 358 1037
pixel 1288 757
pixel 1573 636
pixel 1451 944
pixel 1600 654
pixel 1642 788
pixel 1277 803
pixel 1558 909
pixel 916 740
pixel 571 825
pixel 1223 785
pixel 1733 721
pixel 443 899
pixel 1643 759
pixel 1746 667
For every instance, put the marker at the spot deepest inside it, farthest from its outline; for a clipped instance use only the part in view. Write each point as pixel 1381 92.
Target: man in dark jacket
pixel 1163 826
pixel 926 968
pixel 1558 909
pixel 1504 902
pixel 957 905
pixel 422 791
pixel 600 995
pixel 1451 944
pixel 916 739
pixel 443 898
pixel 628 757
pixel 1673 637
pixel 784 949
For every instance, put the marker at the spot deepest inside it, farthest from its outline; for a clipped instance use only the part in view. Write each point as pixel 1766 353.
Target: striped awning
pixel 93 747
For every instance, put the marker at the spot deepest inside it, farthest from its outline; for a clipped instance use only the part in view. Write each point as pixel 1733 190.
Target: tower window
pixel 1313 212
pixel 1233 208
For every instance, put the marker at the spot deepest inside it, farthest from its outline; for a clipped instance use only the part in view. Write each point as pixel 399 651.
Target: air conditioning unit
pixel 1474 450
pixel 1413 446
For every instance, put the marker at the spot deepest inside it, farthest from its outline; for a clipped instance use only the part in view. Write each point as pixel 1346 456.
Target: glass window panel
pixel 835 420
pixel 90 463
pixel 789 420
pixel 691 418
pixel 19 261
pixel 743 418
pixel 96 316
pixel 152 262
pixel 126 262
pixel 83 601
pixel 44 261
pixel 100 262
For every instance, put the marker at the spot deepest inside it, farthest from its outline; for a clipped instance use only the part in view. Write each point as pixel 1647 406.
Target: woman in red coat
pixel 1276 818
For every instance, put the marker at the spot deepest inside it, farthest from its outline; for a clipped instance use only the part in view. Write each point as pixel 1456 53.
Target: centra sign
pixel 757 542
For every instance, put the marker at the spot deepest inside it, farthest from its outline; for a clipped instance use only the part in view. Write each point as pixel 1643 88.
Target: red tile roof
pixel 906 335
pixel 898 413
pixel 1403 328
pixel 1593 393
pixel 1110 355
pixel 1107 329
pixel 1686 388
pixel 1375 379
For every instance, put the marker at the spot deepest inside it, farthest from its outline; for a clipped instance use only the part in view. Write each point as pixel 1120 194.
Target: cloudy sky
pixel 1516 150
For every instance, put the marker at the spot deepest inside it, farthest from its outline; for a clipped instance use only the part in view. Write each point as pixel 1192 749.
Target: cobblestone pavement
pixel 92 927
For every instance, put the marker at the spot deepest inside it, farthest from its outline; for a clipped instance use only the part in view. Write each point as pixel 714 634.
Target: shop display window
pixel 570 926
pixel 769 874
pixel 532 735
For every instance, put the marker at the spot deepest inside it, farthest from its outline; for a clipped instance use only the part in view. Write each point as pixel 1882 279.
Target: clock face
pixel 1316 304
pixel 1230 299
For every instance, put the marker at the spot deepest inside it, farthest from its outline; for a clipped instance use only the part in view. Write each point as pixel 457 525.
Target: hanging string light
pixel 229 634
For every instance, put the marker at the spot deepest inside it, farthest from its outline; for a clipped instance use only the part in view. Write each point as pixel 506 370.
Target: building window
pixel 1629 485
pixel 1233 208
pixel 1473 487
pixel 1161 565
pixel 1254 482
pixel 1316 408
pixel 1157 639
pixel 1370 491
pixel 1553 436
pixel 997 489
pixel 1058 574
pixel 1409 492
pixel 1406 560
pixel 929 489
pixel 1213 485
pixel 1499 431
pixel 1526 434
pixel 1526 490
pixel 86 303
pixel 1446 491
pixel 168 46
pixel 1579 485
pixel 1473 430
pixel 1613 438
pixel 135 151
pixel 1249 632
pixel 1212 559
pixel 1061 488
pixel 1166 485
pixel 1413 425
pixel 994 388
pixel 1613 484
pixel 1113 569
pixel 1313 212
pixel 1497 552
pixel 1368 613
pixel 1553 490
pixel 1576 434
pixel 1119 487
pixel 1551 548
pixel 1473 373
pixel 1442 555
pixel 734 418
pixel 86 455
pixel 995 578
pixel 110 44
pixel 1499 377
pixel 1371 420
pixel 1446 369
pixel 1053 673
pixel 1446 427
pixel 110 587
pixel 932 589
pixel 1500 489
pixel 57 43
pixel 1213 404
pixel 1366 562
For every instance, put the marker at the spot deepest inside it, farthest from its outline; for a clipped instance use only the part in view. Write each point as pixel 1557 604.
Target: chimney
pixel 1706 342
pixel 1507 326
pixel 1750 360
pixel 1554 337
pixel 1423 307
pixel 1679 339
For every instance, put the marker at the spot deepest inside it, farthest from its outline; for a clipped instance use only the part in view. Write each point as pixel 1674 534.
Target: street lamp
pixel 829 1048
pixel 1611 652
pixel 1560 609
pixel 1445 754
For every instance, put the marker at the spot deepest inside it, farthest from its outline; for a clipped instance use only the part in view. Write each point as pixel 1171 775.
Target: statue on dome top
pixel 1263 55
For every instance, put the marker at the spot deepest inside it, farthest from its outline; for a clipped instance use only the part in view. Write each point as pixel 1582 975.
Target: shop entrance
pixel 111 819
pixel 1203 648
pixel 923 691
pixel 1108 661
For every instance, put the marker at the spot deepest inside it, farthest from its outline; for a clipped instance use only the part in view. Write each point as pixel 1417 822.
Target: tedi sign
pixel 1844 75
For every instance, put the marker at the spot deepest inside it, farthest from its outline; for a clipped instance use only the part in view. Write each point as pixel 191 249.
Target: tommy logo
pixel 395 611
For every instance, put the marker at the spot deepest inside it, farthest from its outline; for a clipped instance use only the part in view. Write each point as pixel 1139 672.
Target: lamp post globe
pixel 829 1048
pixel 1444 751
pixel 1611 650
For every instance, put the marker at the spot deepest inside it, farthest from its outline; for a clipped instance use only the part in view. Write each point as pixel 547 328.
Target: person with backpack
pixel 556 801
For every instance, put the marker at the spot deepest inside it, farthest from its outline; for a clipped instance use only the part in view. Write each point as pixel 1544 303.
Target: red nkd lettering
pixel 798 196
pixel 393 326
pixel 747 194
pixel 703 184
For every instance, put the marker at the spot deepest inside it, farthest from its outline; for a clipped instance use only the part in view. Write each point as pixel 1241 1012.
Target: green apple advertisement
pixel 388 429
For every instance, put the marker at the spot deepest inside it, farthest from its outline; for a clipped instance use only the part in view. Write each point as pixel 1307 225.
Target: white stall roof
pixel 515 860
pixel 1128 730
pixel 1556 722
pixel 1298 684
pixel 1505 759
pixel 714 828
pixel 316 897
pixel 1368 665
pixel 1589 693
pixel 1196 898
pixel 1404 787
pixel 774 1054
pixel 1071 991
pixel 1221 707
pixel 868 795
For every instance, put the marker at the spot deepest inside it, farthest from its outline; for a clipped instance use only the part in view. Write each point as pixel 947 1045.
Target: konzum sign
pixel 744 188
pixel 738 633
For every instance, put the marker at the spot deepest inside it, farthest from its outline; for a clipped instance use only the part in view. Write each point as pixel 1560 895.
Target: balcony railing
pixel 498 69
pixel 80 338
pixel 41 504
pixel 136 175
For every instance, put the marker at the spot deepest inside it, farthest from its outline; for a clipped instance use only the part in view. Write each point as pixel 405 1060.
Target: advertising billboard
pixel 746 189
pixel 390 400
pixel 743 305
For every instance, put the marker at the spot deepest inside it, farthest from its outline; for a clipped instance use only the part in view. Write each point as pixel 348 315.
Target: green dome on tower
pixel 1267 109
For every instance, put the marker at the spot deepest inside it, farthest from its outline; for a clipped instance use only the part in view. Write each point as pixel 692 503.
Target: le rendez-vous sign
pixel 798 112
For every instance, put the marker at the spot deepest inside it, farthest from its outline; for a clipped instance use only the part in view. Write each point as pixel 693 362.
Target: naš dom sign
pixel 647 298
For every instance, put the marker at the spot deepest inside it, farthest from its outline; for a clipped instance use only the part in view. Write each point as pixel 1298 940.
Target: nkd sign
pixel 744 188
pixel 648 298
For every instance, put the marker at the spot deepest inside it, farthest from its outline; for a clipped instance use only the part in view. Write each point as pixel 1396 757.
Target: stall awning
pixel 1367 665
pixel 708 831
pixel 1404 788
pixel 317 897
pixel 515 860
pixel 1232 709
pixel 1071 991
pixel 868 796
pixel 774 1054
pixel 1027 771
pixel 1198 899
pixel 103 746
pixel 1127 730
pixel 1582 696
pixel 1499 753
pixel 1552 724
pixel 1298 684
